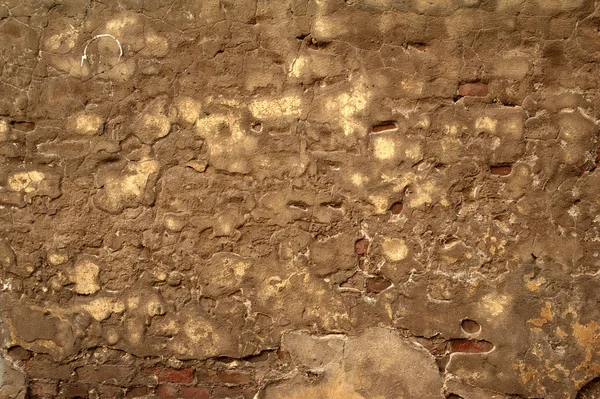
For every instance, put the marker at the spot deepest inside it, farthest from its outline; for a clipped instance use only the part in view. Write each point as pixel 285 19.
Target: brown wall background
pixel 300 199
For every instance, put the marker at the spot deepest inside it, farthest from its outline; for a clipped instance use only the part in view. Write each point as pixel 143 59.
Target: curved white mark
pixel 84 56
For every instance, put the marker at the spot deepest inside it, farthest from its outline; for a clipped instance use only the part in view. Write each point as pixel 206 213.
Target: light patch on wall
pixel 486 123
pixel 495 304
pixel 275 108
pixel 348 105
pixel 85 276
pixel 86 123
pixel 394 249
pixel 25 181
pixel 384 148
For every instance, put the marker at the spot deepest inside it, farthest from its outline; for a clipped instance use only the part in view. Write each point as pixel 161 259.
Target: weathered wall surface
pixel 300 199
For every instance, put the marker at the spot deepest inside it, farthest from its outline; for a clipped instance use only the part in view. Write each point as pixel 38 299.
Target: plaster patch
pixel 25 181
pixel 394 249
pixel 274 108
pixel 85 276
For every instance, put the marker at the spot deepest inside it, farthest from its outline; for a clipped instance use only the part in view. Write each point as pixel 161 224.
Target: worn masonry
pixel 300 199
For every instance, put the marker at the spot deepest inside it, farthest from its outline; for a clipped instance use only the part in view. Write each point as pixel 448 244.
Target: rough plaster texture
pixel 300 199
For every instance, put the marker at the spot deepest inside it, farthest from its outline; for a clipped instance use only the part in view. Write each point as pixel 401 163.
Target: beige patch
pixel 394 249
pixel 422 195
pixel 495 304
pixel 62 42
pixel 486 123
pixel 101 308
pixel 55 258
pixel 157 46
pixel 384 148
pixel 3 130
pixel 275 108
pixel 85 276
pixel 117 25
pixel 348 105
pixel 380 203
pixel 87 124
pixel 134 184
pixel 298 67
pixel 25 181
pixel 158 125
pixel 188 109
pixel 335 388
pixel 358 179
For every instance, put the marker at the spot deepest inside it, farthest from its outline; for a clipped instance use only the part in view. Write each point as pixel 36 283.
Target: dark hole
pixel 501 170
pixel 257 127
pixel 361 246
pixel 396 208
pixel 382 127
pixel 377 284
pixel 24 126
pixel 298 204
pixel 470 326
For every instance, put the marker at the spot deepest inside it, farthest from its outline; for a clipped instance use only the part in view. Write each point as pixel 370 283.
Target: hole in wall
pixel 384 127
pixel 501 170
pixel 470 326
pixel 257 127
pixel 361 246
pixel 396 208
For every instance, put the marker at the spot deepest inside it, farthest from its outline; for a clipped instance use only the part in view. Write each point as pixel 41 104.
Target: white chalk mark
pixel 84 56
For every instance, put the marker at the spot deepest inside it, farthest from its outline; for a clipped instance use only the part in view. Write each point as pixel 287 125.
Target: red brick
pixel 397 208
pixel 361 246
pixel 377 284
pixel 194 393
pixel 43 389
pixel 172 375
pixel 477 89
pixel 470 346
pixel 234 377
pixel 167 391
pixel 501 170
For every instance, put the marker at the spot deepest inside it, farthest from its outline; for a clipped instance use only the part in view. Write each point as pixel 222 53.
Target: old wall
pixel 300 198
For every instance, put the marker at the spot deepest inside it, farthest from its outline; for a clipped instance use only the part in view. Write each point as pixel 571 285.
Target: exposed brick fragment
pixel 503 170
pixel 137 392
pixel 194 393
pixel 477 89
pixel 173 375
pixel 361 246
pixel 377 284
pixel 470 346
pixel 397 208
pixel 167 391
